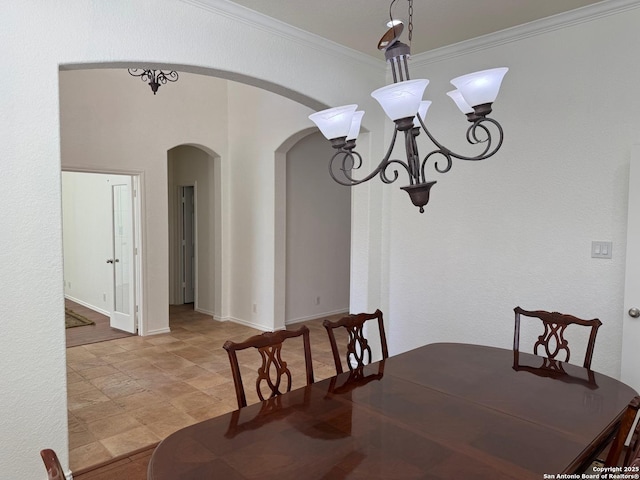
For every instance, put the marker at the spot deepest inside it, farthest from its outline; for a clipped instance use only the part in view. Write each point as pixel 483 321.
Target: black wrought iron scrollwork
pixel 347 159
pixel 154 78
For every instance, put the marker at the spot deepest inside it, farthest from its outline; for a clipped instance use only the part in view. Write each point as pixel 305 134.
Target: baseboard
pixel 88 305
pixel 247 323
pixel 316 316
pixel 205 311
pixel 158 331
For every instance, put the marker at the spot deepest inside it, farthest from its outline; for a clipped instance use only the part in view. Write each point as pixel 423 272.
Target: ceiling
pixel 359 24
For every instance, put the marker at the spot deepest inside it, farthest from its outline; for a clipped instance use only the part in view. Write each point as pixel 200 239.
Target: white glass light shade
pixel 401 100
pixel 422 111
pixel 334 122
pixel 460 101
pixel 480 87
pixel 356 120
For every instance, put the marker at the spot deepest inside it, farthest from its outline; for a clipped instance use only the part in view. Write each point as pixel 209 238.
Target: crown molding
pixel 531 29
pixel 304 39
pixel 272 26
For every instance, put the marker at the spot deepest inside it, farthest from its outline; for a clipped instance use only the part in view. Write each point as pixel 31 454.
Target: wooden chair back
pixel 52 464
pixel 624 428
pixel 273 372
pixel 358 349
pixel 552 343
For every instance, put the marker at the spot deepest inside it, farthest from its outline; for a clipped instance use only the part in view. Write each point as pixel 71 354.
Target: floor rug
pixel 73 319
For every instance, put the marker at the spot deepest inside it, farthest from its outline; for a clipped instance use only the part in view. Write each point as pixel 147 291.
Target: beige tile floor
pixel 129 393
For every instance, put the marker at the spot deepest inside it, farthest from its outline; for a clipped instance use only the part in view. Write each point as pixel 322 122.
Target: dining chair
pixel 52 464
pixel 552 340
pixel 358 349
pixel 625 427
pixel 273 372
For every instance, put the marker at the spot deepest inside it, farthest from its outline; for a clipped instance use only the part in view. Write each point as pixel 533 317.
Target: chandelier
pixel 154 77
pixel 403 104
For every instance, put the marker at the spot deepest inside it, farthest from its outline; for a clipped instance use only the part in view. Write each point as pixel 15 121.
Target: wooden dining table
pixel 445 410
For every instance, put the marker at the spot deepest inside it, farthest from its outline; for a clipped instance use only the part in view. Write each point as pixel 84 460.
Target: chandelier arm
pixel 171 76
pixel 383 173
pixel 472 137
pixel 134 72
pixel 349 163
pixel 385 163
pixel 355 162
pixel 438 169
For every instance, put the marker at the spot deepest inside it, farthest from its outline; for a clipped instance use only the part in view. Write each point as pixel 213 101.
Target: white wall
pixel 44 36
pixel 318 233
pixel 88 238
pixel 259 123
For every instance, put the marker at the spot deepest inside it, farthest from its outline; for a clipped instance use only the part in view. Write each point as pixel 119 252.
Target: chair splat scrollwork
pixel 274 375
pixel 552 344
pixel 358 349
pixel 272 360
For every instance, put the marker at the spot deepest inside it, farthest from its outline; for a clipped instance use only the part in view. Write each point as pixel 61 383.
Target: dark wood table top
pixel 444 410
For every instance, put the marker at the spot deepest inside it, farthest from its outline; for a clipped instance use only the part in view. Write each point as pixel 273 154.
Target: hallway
pixel 129 393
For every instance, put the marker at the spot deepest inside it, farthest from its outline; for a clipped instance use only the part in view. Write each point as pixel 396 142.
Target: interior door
pixel 123 315
pixel 187 247
pixel 631 320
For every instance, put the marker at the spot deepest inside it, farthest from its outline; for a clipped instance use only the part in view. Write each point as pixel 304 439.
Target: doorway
pixel 195 228
pixel 101 247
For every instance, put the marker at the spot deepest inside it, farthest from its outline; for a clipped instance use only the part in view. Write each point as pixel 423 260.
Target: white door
pixel 631 320
pixel 123 315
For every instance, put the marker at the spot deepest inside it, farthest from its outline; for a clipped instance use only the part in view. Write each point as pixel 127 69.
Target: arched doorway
pixel 195 226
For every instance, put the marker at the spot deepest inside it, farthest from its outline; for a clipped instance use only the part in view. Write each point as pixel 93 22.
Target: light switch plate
pixel 601 249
